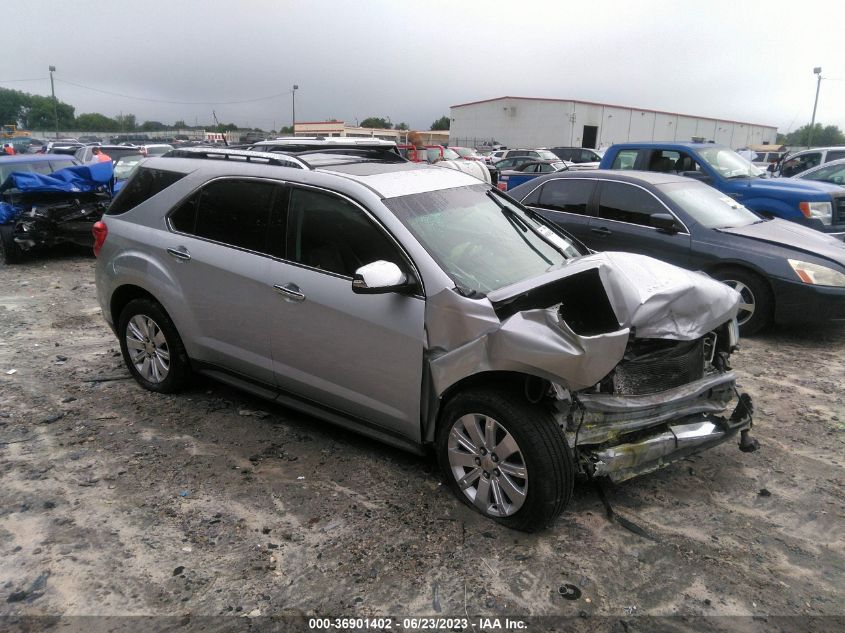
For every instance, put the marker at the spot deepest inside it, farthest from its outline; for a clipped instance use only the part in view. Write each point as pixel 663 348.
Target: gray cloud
pixel 412 60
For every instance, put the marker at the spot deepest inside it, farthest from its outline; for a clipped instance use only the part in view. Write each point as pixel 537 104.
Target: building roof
pixel 610 105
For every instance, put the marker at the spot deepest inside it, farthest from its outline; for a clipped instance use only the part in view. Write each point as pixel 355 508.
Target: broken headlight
pixel 816 274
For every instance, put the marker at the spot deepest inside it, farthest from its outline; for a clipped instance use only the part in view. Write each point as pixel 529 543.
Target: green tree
pixel 126 122
pixel 95 122
pixel 376 122
pixel 286 130
pixel 153 126
pixel 13 104
pixel 402 126
pixel 180 125
pixel 441 124
pixel 40 115
pixel 822 135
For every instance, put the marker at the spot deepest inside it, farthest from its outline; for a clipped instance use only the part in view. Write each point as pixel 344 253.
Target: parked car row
pixel 784 272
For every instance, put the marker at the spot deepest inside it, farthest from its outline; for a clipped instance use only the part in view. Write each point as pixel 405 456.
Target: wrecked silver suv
pixel 421 307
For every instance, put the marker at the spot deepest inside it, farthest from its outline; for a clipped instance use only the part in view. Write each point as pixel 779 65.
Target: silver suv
pixel 423 308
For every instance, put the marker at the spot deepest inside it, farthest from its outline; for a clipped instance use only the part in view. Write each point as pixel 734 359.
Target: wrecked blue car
pixel 40 211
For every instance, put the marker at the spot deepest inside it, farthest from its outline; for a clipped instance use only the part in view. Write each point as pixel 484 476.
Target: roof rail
pixel 278 159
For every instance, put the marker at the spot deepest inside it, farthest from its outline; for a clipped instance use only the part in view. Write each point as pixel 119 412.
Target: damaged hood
pixel 572 324
pixel 657 299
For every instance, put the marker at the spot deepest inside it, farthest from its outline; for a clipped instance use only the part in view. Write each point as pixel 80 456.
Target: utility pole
pixel 818 71
pixel 293 108
pixel 55 103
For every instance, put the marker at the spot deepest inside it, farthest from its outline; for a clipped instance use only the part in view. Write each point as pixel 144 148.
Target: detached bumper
pixel 625 436
pixel 624 461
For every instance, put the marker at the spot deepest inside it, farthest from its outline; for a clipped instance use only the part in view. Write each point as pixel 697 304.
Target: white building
pixel 531 122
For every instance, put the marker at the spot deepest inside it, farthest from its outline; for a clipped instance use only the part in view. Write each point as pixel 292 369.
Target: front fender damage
pixel 573 327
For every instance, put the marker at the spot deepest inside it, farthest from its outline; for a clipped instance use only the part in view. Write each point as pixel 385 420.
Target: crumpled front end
pixel 634 354
pixel 664 401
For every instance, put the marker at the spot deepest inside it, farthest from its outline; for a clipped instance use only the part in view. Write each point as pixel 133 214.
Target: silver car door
pixel 216 252
pixel 361 354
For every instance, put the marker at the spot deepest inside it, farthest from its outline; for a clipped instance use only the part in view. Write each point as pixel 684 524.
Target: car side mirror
pixel 379 277
pixel 696 175
pixel 664 222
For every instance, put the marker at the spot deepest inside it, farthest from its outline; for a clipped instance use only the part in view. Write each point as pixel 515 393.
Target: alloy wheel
pixel 148 349
pixel 747 304
pixel 488 465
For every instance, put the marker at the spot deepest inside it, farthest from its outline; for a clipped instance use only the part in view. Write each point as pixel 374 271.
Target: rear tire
pixel 12 253
pixel 505 458
pixel 152 348
pixel 757 305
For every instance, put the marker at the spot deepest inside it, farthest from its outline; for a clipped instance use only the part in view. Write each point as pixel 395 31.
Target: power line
pixel 117 94
pixel 9 81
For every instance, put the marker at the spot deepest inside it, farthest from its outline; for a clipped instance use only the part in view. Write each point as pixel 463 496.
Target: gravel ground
pixel 117 501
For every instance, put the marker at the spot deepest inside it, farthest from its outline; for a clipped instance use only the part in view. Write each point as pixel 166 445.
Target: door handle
pixel 290 292
pixel 602 230
pixel 180 253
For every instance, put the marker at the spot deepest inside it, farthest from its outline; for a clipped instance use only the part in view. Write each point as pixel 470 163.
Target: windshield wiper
pixel 521 227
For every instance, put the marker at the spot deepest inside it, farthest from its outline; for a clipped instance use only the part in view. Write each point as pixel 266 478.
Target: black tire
pixel 179 367
pixel 12 253
pixel 544 454
pixel 754 289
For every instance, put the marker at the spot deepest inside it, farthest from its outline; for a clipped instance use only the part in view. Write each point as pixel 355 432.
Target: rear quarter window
pixel 625 159
pixel 144 184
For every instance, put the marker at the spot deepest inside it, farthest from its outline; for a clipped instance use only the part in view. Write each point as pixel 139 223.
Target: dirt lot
pixel 117 501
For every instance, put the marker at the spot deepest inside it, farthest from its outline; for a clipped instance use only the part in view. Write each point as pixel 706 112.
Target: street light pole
pixel 293 108
pixel 55 103
pixel 817 70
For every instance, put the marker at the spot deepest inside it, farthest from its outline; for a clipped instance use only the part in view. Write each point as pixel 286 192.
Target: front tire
pixel 152 348
pixel 506 458
pixel 757 304
pixel 12 253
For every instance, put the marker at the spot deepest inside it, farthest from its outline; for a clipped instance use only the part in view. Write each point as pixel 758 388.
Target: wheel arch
pixel 743 266
pixel 123 295
pixel 520 384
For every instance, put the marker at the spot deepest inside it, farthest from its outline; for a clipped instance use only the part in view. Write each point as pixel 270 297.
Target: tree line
pixel 823 135
pixel 34 112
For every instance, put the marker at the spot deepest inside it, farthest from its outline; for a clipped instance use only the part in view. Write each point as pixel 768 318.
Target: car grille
pixel 839 210
pixel 651 366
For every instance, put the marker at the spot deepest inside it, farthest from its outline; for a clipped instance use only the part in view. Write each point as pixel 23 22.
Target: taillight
pixel 100 231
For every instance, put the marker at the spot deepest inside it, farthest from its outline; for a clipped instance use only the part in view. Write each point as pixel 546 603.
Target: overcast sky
pixel 742 60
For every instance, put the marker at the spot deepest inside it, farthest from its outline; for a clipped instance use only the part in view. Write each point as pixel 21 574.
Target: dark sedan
pixel 783 271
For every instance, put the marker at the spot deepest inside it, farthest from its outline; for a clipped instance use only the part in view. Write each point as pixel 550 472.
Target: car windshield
pixel 449 154
pixel 728 163
pixel 125 165
pixel 709 207
pixel 37 167
pixel 480 238
pixel 828 173
pixel 463 152
pixel 544 154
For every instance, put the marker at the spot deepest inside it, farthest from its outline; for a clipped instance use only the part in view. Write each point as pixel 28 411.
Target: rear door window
pixel 626 203
pixel 571 195
pixel 835 155
pixel 144 184
pixel 232 211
